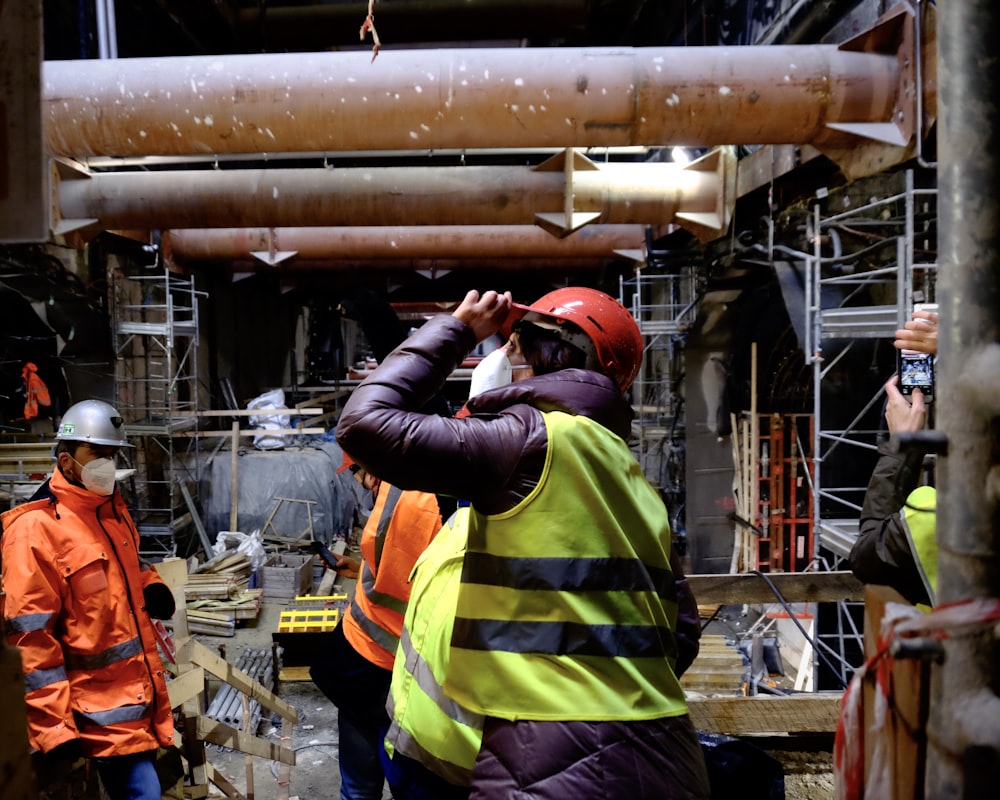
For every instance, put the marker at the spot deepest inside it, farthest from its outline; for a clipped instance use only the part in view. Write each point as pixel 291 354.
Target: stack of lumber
pixel 217 595
pixel 719 668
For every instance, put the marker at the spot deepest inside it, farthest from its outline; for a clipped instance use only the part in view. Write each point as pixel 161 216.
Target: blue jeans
pixel 131 777
pixel 361 776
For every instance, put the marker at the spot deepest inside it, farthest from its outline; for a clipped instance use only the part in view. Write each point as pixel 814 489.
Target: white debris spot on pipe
pixel 673 100
pixel 274 192
pixel 194 86
pixel 414 135
pixel 543 108
pixel 269 132
pixel 425 128
pixel 787 78
pixel 352 79
pixel 642 120
pixel 142 134
pixel 463 82
pixel 486 74
pixel 174 126
pixel 531 107
pixel 515 108
pixel 197 120
pixel 568 121
pixel 395 95
pixel 792 66
pixel 519 81
pixel 392 243
pixel 659 68
pixel 725 91
pixel 168 95
pixel 546 94
pixel 604 91
pixel 364 98
pixel 418 89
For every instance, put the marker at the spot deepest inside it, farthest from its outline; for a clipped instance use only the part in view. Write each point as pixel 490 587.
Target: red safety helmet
pixel 610 336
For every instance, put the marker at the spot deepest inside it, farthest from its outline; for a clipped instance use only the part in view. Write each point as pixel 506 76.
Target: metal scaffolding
pixel 864 293
pixel 664 306
pixel 155 324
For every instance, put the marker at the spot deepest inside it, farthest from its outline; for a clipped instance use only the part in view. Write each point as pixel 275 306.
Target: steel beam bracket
pixel 64 169
pixel 865 148
pixel 563 224
pixel 709 225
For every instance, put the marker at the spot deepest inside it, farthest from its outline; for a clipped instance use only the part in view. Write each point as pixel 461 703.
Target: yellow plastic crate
pixel 308 620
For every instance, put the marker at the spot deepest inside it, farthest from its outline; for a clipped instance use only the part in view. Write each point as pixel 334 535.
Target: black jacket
pixel 882 554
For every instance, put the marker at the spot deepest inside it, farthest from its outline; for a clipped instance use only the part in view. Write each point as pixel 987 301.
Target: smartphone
pixel 916 371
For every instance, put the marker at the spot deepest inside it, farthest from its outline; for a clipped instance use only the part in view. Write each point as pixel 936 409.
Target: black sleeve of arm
pixel 881 554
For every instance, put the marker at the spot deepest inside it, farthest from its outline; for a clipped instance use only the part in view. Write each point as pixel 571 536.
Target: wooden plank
pixel 285 770
pixel 249 412
pixel 256 432
pixel 741 716
pixel 174 574
pixel 210 730
pixel 185 686
pixel 795 587
pixel 223 784
pixel 905 753
pixel 222 669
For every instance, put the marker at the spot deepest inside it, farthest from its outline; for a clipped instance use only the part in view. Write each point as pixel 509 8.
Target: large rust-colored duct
pixel 485 98
pixel 551 194
pixel 386 242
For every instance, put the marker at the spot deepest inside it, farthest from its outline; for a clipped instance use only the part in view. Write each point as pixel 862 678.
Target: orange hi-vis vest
pixel 401 525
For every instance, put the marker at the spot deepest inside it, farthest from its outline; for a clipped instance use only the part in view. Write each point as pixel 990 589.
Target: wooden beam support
pixel 210 730
pixel 742 716
pixel 186 686
pixel 795 587
pixel 222 669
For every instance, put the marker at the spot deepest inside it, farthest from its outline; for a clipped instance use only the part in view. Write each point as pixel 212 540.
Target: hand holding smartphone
pixel 916 369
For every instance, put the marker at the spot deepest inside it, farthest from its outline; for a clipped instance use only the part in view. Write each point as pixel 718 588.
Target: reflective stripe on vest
pixel 113 716
pixel 567 605
pixel 427 725
pixel 919 516
pixel 95 661
pixel 40 678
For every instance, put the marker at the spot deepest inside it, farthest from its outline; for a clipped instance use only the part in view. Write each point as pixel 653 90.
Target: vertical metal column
pixel 964 728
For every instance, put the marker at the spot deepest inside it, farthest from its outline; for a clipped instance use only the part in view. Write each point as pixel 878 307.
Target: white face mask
pixel 99 476
pixel 493 371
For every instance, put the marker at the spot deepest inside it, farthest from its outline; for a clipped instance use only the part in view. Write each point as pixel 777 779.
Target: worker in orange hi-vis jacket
pixel 79 606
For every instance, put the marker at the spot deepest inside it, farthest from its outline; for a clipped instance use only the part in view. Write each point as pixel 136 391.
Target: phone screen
pixel 916 371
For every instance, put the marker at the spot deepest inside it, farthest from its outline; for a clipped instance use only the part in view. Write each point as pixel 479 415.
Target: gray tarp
pixel 302 473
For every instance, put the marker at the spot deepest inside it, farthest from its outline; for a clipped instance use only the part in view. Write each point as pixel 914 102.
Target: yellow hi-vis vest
pixel 427 726
pixel 919 517
pixel 568 604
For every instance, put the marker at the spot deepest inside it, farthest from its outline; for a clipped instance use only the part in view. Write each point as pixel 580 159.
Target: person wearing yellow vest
pixel 564 631
pixel 896 544
pixel 354 666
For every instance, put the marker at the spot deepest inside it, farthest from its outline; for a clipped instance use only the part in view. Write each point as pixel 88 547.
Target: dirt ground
pixel 316 775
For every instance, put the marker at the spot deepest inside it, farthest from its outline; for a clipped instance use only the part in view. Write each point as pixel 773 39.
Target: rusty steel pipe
pixel 621 193
pixel 434 267
pixel 384 242
pixel 472 98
